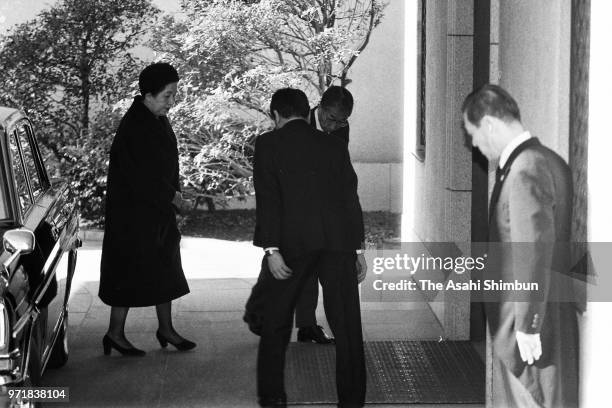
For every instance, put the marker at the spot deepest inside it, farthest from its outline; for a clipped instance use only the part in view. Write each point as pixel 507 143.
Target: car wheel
pixel 59 354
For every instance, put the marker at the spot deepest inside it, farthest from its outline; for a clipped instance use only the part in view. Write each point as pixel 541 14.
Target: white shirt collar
pixel 510 147
pixel 316 115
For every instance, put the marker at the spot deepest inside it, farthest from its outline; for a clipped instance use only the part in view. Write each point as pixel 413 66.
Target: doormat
pixel 398 372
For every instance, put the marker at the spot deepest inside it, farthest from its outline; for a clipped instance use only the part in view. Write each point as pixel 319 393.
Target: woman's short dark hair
pixel 154 78
pixel 337 97
pixel 289 102
pixel 490 100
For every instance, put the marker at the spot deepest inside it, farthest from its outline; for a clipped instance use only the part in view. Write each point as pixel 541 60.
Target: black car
pixel 39 227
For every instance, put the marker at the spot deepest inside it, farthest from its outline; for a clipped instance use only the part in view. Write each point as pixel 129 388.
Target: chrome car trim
pixel 17 372
pixel 21 323
pixel 4 326
pixel 21 302
pixel 49 270
pixel 47 353
pixel 7 376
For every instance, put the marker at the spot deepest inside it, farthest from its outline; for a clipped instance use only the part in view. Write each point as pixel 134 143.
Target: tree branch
pixel 343 77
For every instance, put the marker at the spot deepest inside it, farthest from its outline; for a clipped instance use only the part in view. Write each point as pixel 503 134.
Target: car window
pixel 23 191
pixel 29 159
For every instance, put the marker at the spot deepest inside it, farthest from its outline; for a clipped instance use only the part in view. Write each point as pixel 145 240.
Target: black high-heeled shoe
pixel 182 346
pixel 108 344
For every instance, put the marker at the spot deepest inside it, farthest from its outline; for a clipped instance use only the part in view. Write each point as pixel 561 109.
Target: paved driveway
pixel 220 372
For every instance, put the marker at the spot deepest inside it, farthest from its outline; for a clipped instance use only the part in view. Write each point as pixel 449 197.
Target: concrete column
pixel 459 74
pixel 437 187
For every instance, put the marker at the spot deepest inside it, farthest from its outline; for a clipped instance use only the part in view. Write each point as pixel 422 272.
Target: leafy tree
pixel 233 54
pixel 65 66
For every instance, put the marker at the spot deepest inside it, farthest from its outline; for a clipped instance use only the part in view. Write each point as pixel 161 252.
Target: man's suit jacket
pixel 306 192
pixel 532 210
pixel 342 133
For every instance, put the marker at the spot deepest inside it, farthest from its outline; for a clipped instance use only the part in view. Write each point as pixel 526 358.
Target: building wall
pixel 377 75
pixel 596 356
pixel 437 197
pixel 534 62
pixel 443 179
pixel 380 186
pixel 376 123
pixel 429 180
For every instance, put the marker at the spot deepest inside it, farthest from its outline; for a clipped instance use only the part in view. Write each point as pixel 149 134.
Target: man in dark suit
pixel 308 218
pixel 534 336
pixel 331 117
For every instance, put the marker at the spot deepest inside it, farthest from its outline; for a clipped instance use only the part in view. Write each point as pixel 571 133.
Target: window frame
pixel 36 156
pixel 5 176
pixel 20 214
pixel 13 135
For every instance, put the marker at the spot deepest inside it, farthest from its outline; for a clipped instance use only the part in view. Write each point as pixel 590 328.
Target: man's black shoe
pixel 254 322
pixel 314 334
pixel 272 402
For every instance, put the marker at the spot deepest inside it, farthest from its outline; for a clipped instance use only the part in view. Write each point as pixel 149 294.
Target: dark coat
pixel 141 263
pixel 306 192
pixel 531 208
pixel 342 133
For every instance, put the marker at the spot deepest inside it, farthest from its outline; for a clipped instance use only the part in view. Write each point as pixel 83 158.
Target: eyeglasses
pixel 338 121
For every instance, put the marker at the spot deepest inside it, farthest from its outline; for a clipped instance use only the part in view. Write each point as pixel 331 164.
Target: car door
pixel 47 265
pixel 19 281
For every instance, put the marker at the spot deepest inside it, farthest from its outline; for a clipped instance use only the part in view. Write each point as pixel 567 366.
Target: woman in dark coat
pixel 141 261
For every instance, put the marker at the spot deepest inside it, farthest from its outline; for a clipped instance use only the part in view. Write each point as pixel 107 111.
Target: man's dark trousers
pixel 341 297
pixel 306 307
pixel 306 304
